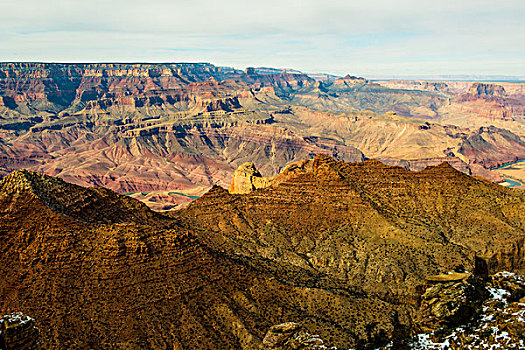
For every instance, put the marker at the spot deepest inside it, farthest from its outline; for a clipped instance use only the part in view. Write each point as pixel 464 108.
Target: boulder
pixel 18 331
pixel 291 335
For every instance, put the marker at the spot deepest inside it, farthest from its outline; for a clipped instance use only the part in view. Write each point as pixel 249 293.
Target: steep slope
pixel 492 147
pixel 144 281
pixel 367 225
pixel 95 205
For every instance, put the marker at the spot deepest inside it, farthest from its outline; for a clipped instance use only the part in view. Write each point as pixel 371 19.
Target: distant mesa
pixel 270 71
pixel 350 80
pixel 483 89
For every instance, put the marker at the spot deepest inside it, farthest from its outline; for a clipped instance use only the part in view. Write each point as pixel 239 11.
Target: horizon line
pixel 427 77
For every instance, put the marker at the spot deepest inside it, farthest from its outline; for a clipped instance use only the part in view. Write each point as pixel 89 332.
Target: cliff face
pixel 247 178
pixel 62 84
pixel 42 85
pixel 151 129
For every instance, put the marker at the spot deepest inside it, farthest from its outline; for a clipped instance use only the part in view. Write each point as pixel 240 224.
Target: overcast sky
pixel 366 37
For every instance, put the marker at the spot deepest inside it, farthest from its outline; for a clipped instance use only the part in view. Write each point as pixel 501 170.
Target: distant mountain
pixel 267 70
pixel 323 77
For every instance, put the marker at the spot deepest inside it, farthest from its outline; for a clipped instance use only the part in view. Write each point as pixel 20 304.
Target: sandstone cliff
pixel 247 178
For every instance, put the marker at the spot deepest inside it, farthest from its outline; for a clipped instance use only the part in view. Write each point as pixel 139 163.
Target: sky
pixel 366 37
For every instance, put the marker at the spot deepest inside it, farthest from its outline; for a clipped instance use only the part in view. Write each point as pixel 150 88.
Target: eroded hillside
pixel 344 249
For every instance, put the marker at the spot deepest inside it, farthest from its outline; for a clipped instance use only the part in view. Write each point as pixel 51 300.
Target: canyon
pixel 389 256
pixel 166 133
pixel 191 206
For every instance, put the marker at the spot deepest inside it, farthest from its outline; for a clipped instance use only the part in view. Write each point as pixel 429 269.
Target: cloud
pixel 359 37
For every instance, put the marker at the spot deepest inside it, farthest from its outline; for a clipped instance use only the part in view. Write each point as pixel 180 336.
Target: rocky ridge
pixel 340 248
pixel 389 197
pixel 492 315
pixel 88 205
pixel 291 335
pixel 474 313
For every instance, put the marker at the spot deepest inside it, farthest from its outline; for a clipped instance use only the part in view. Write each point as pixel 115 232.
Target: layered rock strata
pixel 341 248
pixel 184 127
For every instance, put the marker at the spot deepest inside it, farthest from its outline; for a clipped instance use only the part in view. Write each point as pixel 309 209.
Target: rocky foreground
pixel 326 254
pixel 457 311
pixel 472 313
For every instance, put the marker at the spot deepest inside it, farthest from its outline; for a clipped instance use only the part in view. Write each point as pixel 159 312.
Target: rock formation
pixel 343 249
pixel 449 303
pixel 473 314
pixel 491 147
pixel 481 89
pixel 247 178
pixel 18 332
pixel 291 336
pixel 184 127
